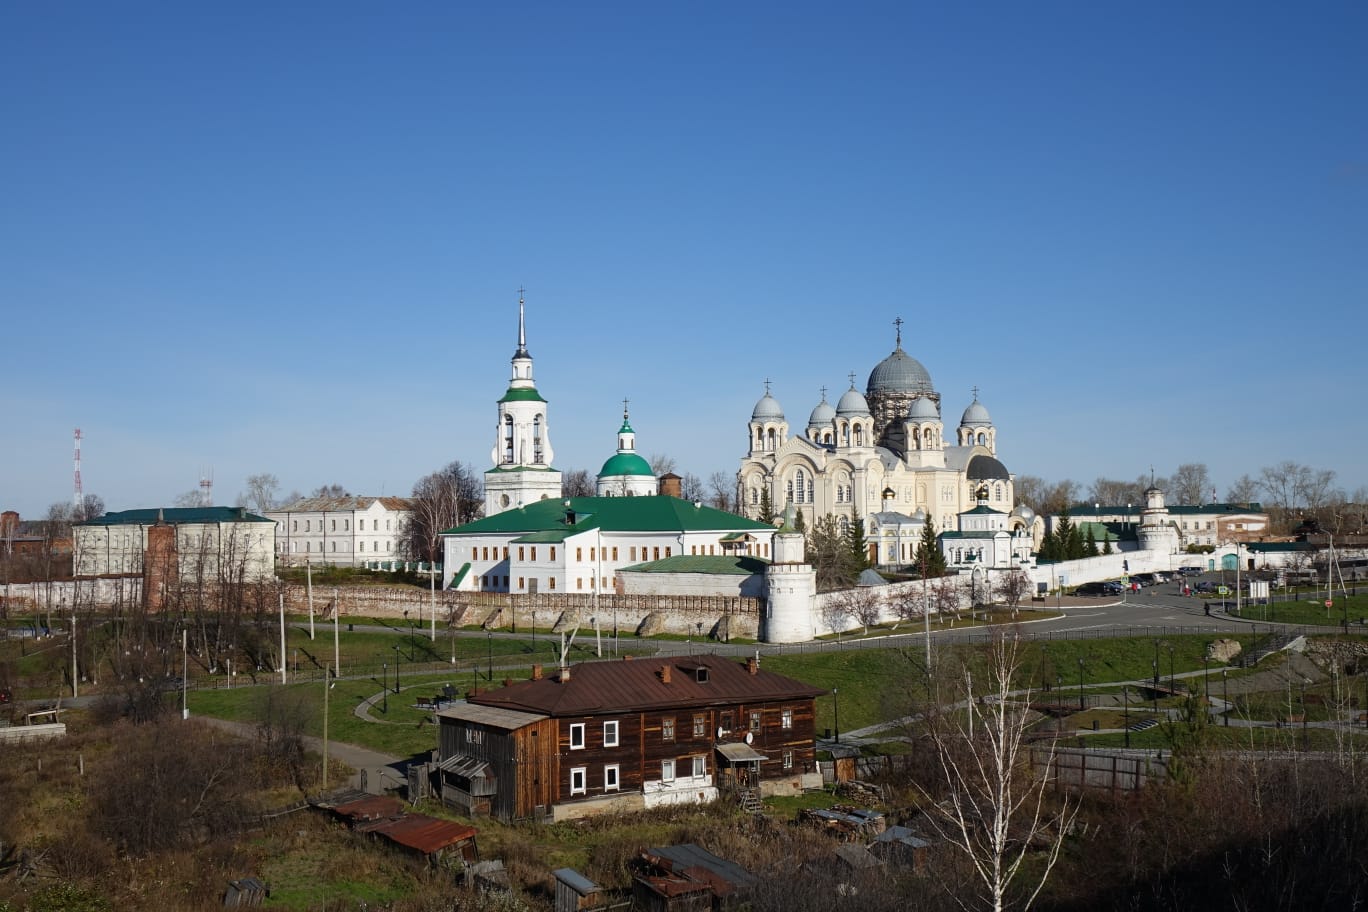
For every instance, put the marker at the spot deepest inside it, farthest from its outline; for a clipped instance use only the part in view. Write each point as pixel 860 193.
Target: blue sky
pixel 289 237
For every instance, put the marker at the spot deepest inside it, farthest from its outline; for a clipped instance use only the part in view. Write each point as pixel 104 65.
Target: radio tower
pixel 206 488
pixel 76 497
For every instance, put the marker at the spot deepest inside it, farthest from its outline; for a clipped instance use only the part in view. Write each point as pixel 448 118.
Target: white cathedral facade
pixel 880 456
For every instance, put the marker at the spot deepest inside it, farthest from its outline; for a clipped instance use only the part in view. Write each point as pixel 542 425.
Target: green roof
pixel 550 536
pixel 522 395
pixel 175 516
pixel 1189 509
pixel 657 513
pixel 984 509
pixel 724 565
pixel 974 534
pixel 626 464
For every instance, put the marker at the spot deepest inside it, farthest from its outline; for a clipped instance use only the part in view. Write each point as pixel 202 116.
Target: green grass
pixel 1308 609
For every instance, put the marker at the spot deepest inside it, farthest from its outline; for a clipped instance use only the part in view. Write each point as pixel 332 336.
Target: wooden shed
pixel 575 892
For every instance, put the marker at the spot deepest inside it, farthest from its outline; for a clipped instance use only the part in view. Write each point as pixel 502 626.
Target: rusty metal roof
pixel 609 687
pixel 422 833
pixel 371 807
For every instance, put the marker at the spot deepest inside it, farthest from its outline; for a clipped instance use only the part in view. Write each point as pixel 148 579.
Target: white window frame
pixel 788 759
pixel 612 781
pixel 610 734
pixel 576 736
pixel 580 773
pixel 667 770
pixel 786 719
pixel 700 766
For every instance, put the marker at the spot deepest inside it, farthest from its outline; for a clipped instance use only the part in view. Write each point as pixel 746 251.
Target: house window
pixel 294 523
pixel 667 550
pixel 614 553
pixel 667 729
pixel 553 552
pixel 755 721
pixel 577 736
pixel 362 547
pixel 520 583
pixel 631 553
pixel 700 726
pixel 610 778
pixel 521 552
pixel 667 770
pixel 346 525
pixel 534 552
pixel 334 524
pixel 610 734
pixel 551 583
pixel 700 767
pixel 786 719
pixel 577 781
pixel 579 582
pixel 788 760
pixel 657 554
pixel 579 554
pixel 593 554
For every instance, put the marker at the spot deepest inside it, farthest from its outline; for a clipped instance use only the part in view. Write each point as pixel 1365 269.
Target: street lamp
pixel 395 647
pixel 1225 690
pixel 836 706
pixel 384 685
pixel 1155 663
pixel 489 637
pixel 1206 678
pixel 1081 705
pixel 1125 695
pixel 1173 686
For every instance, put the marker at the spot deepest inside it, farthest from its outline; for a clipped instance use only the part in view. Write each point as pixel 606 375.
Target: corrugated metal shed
pixel 421 833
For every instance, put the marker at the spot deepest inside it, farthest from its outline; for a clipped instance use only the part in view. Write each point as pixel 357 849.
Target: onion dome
pixel 899 373
pixel 823 413
pixel 919 516
pixel 923 409
pixel 852 404
pixel 625 464
pixel 1026 514
pixel 767 409
pixel 976 415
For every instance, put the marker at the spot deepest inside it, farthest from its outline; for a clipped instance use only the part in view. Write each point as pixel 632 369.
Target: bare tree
pixel 329 490
pixel 1111 492
pixel 190 498
pixel 945 596
pixel 722 489
pixel 1190 484
pixel 1058 497
pixel 261 492
pixel 1013 585
pixel 661 463
pixel 836 612
pixel 994 808
pixel 449 497
pixel 578 483
pixel 691 487
pixel 1243 490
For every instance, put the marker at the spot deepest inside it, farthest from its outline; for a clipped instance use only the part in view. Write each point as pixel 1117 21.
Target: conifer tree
pixel 928 557
pixel 855 543
pixel 766 507
pixel 1090 544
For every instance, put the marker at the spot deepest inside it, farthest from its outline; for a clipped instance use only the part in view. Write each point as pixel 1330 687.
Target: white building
pixel 881 456
pixel 626 474
pixel 578 545
pixel 345 531
pixel 986 539
pixel 521 473
pixel 213 544
pixel 1155 525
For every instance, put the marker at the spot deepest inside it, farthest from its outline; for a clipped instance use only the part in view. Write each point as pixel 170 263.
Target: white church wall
pixel 752 586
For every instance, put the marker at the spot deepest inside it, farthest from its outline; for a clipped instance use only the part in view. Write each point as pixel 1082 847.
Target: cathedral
pixel 881 457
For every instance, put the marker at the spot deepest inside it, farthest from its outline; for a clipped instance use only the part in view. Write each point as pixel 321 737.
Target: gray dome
pixel 976 416
pixel 822 414
pixel 982 468
pixel 923 409
pixel 1025 512
pixel 767 409
pixel 852 405
pixel 919 516
pixel 899 373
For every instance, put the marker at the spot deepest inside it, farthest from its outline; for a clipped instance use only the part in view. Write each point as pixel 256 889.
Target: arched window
pixel 755 496
pixel 537 439
pixel 859 435
pixel 508 438
pixel 788 490
pixel 997 493
pixel 809 491
pixel 798 476
pixel 982 438
pixel 771 438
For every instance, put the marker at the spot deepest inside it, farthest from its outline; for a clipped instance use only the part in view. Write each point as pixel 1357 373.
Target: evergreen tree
pixel 766 507
pixel 929 558
pixel 799 523
pixel 1074 550
pixel 1090 543
pixel 1106 544
pixel 855 543
pixel 828 551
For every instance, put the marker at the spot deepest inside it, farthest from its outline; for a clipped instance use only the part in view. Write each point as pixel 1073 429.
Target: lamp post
pixel 327 686
pixel 836 706
pixel 395 647
pixel 1225 690
pixel 1155 663
pixel 1206 678
pixel 1125 695
pixel 384 685
pixel 1173 684
pixel 489 638
pixel 1081 705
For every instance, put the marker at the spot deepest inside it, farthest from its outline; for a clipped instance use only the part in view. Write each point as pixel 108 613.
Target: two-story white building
pixel 213 544
pixel 579 544
pixel 346 530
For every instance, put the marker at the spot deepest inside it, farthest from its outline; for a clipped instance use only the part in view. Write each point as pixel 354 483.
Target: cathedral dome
pixel 822 414
pixel 1026 513
pixel 625 464
pixel 767 409
pixel 976 415
pixel 899 373
pixel 986 468
pixel 923 409
pixel 852 405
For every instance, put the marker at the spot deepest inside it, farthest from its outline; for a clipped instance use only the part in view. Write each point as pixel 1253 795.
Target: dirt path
pixel 373 771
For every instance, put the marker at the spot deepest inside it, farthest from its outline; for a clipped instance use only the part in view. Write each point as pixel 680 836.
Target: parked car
pixel 1093 589
pixel 1204 587
pixel 1143 579
pixel 1113 587
pixel 1191 571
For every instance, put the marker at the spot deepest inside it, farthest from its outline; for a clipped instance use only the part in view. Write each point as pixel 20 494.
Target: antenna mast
pixel 206 487
pixel 76 495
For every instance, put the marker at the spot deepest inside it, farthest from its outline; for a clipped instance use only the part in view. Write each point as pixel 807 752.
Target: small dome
pixel 625 464
pixel 823 413
pixel 976 415
pixel 919 516
pixel 899 373
pixel 767 409
pixel 923 409
pixel 852 405
pixel 1026 513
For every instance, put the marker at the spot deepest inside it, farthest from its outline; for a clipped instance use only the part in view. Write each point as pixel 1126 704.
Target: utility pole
pixel 282 638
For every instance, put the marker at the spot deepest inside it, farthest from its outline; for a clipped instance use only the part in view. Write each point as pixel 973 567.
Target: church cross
pixel 824 394
pixel 767 386
pixel 899 323
pixel 624 409
pixel 851 375
pixel 976 394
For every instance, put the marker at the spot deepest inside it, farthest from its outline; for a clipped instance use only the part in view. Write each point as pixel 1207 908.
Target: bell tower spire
pixel 522 330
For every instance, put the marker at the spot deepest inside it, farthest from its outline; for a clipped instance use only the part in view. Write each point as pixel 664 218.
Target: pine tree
pixel 855 543
pixel 766 507
pixel 929 558
pixel 1106 543
pixel 1090 544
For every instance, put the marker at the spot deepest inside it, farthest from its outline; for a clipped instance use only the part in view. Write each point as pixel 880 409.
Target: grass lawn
pixel 1308 608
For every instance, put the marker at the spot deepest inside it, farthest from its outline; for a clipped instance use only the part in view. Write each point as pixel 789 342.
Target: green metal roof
pixel 460 575
pixel 723 565
pixel 551 536
pixel 176 516
pixel 1178 509
pixel 626 464
pixel 522 395
pixel 657 513
pixel 974 534
pixel 984 509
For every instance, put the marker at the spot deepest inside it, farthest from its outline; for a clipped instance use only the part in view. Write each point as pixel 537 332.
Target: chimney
pixel 671 485
pixel 565 674
pixel 664 674
pixel 753 664
pixel 536 673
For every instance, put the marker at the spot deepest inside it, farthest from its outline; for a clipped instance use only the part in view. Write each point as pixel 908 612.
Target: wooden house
pixel 628 734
